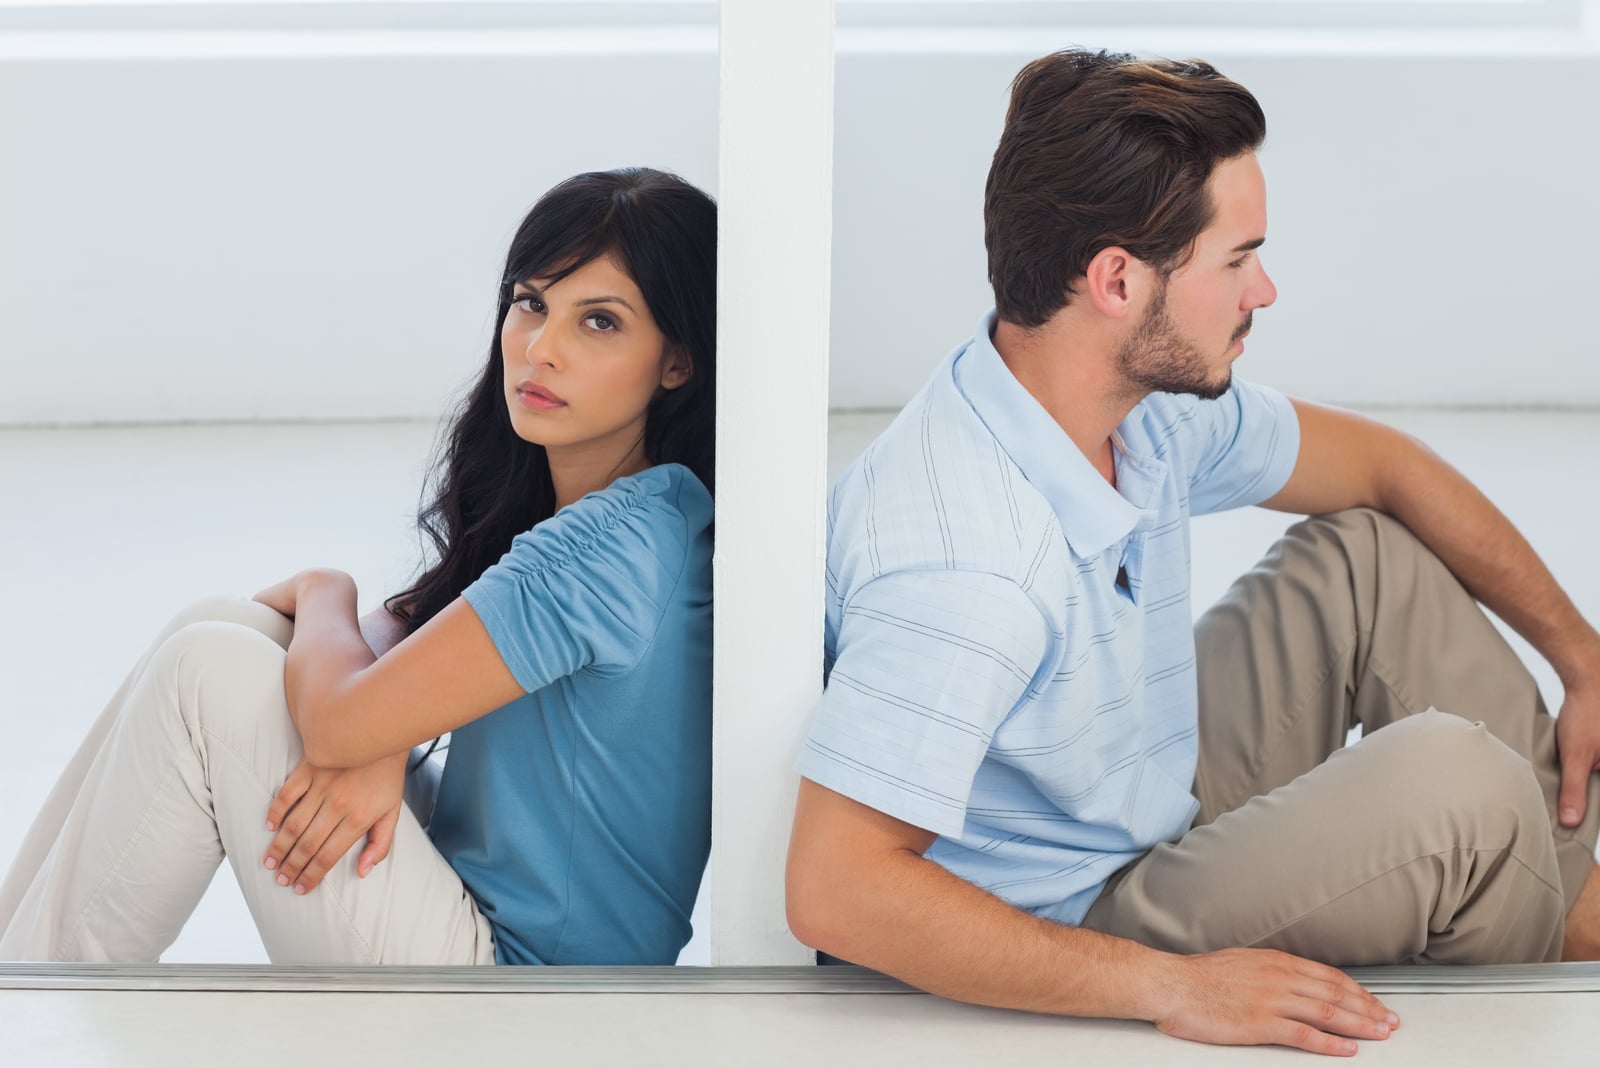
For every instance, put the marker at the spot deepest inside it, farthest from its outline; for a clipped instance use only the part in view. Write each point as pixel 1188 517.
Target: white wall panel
pixel 230 237
pixel 772 429
pixel 308 225
pixel 1432 217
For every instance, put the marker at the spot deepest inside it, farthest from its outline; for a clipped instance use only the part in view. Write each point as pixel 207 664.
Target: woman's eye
pixel 603 323
pixel 531 305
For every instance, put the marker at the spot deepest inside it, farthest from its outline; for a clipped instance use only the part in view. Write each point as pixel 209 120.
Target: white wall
pixel 1433 218
pixel 223 225
pixel 203 227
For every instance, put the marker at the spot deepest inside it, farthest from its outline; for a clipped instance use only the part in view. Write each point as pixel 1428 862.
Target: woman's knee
pixel 239 611
pixel 219 671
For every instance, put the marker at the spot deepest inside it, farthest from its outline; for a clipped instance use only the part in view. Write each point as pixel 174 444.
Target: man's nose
pixel 1263 293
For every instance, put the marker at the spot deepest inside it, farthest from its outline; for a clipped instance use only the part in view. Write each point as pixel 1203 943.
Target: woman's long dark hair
pixel 491 485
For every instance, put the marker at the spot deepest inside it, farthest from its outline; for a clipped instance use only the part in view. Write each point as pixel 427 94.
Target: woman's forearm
pixel 328 649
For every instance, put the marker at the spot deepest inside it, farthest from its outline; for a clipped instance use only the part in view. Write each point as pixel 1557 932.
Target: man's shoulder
pixel 936 492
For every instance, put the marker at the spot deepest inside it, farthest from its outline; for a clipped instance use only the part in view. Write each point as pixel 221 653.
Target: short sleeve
pixel 928 665
pixel 585 589
pixel 1243 447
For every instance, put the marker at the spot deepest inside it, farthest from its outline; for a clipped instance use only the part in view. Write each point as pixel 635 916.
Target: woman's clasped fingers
pixel 335 846
pixel 288 795
pixel 323 826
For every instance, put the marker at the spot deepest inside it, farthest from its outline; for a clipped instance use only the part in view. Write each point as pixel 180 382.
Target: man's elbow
pixel 816 914
pixel 804 912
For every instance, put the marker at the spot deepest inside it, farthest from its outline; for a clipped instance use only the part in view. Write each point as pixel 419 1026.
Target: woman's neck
pixel 577 471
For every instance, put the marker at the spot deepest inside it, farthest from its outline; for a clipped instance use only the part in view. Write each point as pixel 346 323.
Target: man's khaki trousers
pixel 1433 838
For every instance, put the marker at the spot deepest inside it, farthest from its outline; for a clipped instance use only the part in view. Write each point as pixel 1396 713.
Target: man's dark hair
pixel 1102 149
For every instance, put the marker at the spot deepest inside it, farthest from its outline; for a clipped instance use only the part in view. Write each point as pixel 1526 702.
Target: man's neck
pixel 1070 369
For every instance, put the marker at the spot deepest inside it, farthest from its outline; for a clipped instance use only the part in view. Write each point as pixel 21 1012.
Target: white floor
pixel 106 531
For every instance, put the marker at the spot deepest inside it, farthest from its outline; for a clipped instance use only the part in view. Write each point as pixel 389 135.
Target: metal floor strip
pixel 1437 979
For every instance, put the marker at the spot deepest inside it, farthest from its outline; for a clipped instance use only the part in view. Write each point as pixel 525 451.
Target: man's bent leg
pixel 1350 619
pixel 1427 841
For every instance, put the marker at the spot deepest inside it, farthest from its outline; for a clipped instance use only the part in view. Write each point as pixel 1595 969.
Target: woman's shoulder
pixel 651 520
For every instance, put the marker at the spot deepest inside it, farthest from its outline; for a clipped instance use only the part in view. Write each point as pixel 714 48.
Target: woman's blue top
pixel 579 815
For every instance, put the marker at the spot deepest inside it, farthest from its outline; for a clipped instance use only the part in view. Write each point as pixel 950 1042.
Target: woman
pixel 562 638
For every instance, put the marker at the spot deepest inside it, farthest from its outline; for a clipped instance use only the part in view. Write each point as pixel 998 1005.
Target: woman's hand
pixel 319 813
pixel 283 597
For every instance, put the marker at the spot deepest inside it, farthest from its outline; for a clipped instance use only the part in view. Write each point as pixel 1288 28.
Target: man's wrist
pixel 1155 985
pixel 1577 659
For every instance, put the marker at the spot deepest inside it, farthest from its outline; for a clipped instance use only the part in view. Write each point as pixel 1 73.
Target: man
pixel 1029 782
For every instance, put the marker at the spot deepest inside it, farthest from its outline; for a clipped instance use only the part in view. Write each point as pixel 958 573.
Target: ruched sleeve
pixel 586 589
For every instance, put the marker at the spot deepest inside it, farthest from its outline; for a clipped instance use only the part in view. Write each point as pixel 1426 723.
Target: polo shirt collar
pixel 1094 516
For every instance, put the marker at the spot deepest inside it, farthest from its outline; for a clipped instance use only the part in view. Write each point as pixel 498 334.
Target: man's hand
pixel 319 813
pixel 1248 997
pixel 1578 745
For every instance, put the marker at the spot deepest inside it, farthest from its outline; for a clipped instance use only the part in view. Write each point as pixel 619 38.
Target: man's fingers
pixel 1326 1016
pixel 379 839
pixel 1298 1035
pixel 1577 762
pixel 1336 988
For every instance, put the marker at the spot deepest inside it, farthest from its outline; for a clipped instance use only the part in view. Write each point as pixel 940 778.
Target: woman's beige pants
pixel 178 773
pixel 1433 838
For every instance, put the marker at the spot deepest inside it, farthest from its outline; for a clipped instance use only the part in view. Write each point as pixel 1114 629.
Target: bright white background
pixel 297 211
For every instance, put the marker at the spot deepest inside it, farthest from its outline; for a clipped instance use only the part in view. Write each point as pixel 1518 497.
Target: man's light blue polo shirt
pixel 988 679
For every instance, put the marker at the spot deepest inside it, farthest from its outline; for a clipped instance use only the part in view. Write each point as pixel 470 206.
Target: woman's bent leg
pixel 185 775
pixel 44 835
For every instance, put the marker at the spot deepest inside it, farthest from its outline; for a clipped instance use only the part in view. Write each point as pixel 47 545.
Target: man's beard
pixel 1159 359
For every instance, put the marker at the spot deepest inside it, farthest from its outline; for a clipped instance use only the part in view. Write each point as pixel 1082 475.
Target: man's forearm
pixel 859 888
pixel 914 920
pixel 1490 558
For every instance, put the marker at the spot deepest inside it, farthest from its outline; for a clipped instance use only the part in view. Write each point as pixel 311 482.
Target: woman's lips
pixel 538 398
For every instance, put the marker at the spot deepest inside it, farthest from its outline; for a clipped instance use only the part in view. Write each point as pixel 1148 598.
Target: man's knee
pixel 1365 532
pixel 1445 767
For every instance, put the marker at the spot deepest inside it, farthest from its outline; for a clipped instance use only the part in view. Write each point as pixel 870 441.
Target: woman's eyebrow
pixel 604 300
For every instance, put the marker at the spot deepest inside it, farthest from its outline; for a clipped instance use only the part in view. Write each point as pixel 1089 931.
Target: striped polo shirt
pixel 988 679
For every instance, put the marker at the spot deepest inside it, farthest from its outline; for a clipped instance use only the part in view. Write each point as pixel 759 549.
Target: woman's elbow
pixel 326 745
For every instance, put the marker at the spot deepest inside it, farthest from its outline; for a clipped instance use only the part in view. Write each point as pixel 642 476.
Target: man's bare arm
pixel 859 888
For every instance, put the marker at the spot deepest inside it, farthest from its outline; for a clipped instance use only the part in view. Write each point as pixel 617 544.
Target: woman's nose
pixel 543 350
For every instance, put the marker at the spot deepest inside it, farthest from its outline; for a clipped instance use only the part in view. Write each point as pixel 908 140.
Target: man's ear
pixel 676 369
pixel 1112 281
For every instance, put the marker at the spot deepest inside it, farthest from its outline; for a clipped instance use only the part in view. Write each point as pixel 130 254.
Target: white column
pixel 775 194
